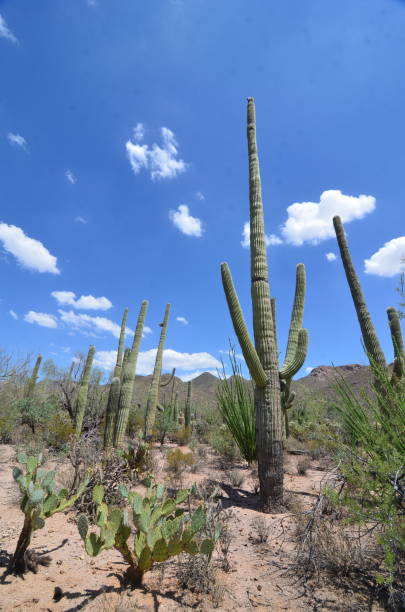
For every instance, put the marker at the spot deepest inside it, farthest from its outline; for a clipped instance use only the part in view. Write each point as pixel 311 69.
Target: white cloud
pixel 5 31
pixel 41 318
pixel 270 240
pixel 181 218
pixel 312 221
pixel 13 314
pixel 91 325
pixel 70 177
pixel 193 362
pixel 308 370
pixel 161 161
pixel 85 302
pixel 199 196
pixel 387 260
pixel 182 320
pixel 330 256
pixel 80 219
pixel 17 140
pixel 30 253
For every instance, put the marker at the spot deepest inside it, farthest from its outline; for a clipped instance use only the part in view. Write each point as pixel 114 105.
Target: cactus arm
pixel 296 316
pixel 369 334
pixel 128 378
pixel 397 341
pixel 81 401
pixel 154 388
pixel 169 380
pixel 249 352
pixel 34 376
pixel 120 352
pixel 127 353
pixel 111 412
pixel 290 368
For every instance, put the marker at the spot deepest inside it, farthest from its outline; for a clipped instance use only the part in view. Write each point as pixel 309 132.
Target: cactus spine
pixel 369 334
pixel 81 401
pixel 128 378
pixel 153 397
pixel 187 407
pixel 34 377
pixel 262 357
pixel 119 364
pixel 111 412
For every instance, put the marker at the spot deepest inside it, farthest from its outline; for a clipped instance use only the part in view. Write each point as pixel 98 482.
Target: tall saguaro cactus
pixel 369 334
pixel 128 378
pixel 34 377
pixel 153 397
pixel 120 352
pixel 81 401
pixel 262 357
pixel 111 412
pixel 187 407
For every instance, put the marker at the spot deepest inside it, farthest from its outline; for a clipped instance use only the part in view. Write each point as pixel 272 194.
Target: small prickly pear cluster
pixel 40 499
pixel 163 528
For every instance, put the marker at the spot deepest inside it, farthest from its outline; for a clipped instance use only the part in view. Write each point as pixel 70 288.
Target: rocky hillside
pixel 319 383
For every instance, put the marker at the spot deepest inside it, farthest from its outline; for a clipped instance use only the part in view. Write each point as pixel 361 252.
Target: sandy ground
pixel 258 579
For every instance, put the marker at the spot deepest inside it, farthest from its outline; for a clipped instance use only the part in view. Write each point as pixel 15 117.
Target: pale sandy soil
pixel 258 579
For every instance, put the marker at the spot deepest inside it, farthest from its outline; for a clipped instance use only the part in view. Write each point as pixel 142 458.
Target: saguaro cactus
pixel 398 344
pixel 34 377
pixel 369 334
pixel 120 352
pixel 187 407
pixel 127 353
pixel 81 401
pixel 111 412
pixel 262 357
pixel 128 377
pixel 153 397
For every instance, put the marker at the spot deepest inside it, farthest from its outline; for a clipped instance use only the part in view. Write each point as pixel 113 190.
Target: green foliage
pixel 236 405
pixel 41 498
pixel 224 444
pixel 178 461
pixel 35 411
pixel 371 455
pixel 163 528
pixel 183 436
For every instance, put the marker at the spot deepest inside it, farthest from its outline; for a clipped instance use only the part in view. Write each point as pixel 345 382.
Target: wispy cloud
pixel 181 218
pixel 330 256
pixel 5 31
pixel 17 140
pixel 312 221
pixel 13 314
pixel 245 242
pixel 199 196
pixel 162 162
pixel 30 253
pixel 85 302
pixel 182 320
pixel 41 318
pixel 189 362
pixel 388 260
pixel 70 177
pixel 89 324
pixel 80 219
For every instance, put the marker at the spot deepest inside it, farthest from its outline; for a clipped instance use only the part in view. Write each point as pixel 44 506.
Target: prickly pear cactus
pixel 163 528
pixel 41 498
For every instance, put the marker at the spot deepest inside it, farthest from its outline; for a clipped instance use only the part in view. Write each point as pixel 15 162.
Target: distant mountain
pixel 319 383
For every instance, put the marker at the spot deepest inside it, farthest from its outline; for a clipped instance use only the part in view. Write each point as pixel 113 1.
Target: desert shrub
pixel 183 436
pixel 35 412
pixel 236 478
pixel 260 529
pixel 178 462
pixel 303 465
pixel 198 575
pixel 372 465
pixel 236 405
pixel 224 445
pixel 59 431
pixel 8 422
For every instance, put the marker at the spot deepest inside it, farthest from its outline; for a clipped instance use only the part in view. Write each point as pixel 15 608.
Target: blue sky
pixel 123 155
